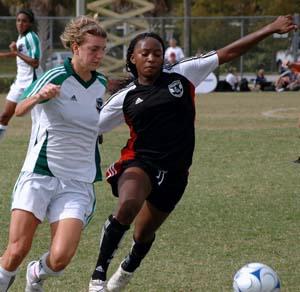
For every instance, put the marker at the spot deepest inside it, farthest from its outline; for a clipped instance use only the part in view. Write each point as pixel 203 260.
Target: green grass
pixel 241 205
pixel 8 67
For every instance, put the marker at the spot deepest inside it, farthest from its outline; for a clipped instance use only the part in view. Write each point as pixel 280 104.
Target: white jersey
pixel 232 80
pixel 176 50
pixel 28 45
pixel 66 143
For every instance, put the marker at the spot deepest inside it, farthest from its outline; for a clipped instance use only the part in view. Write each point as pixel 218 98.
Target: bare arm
pixel 30 61
pixel 282 24
pixel 47 92
pixel 7 54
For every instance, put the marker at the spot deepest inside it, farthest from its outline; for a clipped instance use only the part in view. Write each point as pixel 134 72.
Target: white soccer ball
pixel 256 277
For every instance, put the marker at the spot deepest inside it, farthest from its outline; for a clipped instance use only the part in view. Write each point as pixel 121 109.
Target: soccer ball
pixel 256 277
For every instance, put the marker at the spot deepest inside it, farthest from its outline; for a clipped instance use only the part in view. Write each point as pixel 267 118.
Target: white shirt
pixel 232 80
pixel 178 52
pixel 67 138
pixel 28 45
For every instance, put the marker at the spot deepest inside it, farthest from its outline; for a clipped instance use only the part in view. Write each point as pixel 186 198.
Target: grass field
pixel 241 205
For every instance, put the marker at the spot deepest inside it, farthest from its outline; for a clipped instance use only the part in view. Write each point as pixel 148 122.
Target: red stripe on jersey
pixel 128 152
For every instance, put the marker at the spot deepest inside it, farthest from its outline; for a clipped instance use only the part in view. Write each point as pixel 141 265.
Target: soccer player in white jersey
pixel 56 181
pixel 27 53
pixel 152 173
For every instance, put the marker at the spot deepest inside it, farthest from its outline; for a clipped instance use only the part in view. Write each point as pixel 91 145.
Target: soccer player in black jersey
pixel 152 173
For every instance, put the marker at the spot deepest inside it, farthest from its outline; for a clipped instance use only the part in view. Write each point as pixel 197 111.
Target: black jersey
pixel 160 116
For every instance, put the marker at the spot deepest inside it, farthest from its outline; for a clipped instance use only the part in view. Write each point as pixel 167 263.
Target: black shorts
pixel 167 186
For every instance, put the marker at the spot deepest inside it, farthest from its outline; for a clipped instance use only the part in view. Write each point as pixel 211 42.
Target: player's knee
pixel 127 211
pixel 18 251
pixel 60 258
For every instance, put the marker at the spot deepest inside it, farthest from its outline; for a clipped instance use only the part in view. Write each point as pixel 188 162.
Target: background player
pixel 27 52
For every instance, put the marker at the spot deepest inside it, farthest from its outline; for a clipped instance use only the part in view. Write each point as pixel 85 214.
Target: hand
pixel 283 24
pixel 13 46
pixel 47 92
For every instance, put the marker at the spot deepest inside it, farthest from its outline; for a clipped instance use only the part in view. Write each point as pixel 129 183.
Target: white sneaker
pixel 33 283
pixel 97 286
pixel 118 280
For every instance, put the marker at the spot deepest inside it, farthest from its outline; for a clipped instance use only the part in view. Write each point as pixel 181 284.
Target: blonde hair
pixel 78 27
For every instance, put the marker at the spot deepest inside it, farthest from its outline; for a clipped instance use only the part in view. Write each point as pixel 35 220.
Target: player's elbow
pixel 35 64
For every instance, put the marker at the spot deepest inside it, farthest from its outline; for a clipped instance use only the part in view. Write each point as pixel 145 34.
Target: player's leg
pixel 167 191
pixel 9 107
pixel 6 115
pixel 147 222
pixel 23 225
pixel 134 186
pixel 65 235
pixel 68 212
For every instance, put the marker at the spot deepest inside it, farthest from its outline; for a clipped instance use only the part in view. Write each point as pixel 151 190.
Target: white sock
pixel 42 271
pixel 5 278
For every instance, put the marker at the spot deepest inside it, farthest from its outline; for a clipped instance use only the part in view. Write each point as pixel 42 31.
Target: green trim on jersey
pixel 56 76
pixel 102 79
pixel 98 176
pixel 89 218
pixel 32 43
pixel 85 84
pixel 41 166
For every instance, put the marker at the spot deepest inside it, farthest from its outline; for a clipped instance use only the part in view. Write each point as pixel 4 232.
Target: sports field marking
pixel 275 113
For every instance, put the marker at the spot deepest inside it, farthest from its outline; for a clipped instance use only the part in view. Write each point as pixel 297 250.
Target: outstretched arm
pixel 282 24
pixel 7 54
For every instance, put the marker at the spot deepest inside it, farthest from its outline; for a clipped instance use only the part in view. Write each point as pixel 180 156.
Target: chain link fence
pixel 207 33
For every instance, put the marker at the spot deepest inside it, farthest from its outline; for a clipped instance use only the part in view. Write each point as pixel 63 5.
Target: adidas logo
pixel 138 100
pixel 73 98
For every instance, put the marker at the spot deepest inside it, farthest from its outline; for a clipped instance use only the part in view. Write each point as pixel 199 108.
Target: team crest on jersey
pixel 99 103
pixel 20 48
pixel 176 88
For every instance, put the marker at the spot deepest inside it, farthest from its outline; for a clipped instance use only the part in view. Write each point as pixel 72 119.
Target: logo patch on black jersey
pixel 176 88
pixel 138 100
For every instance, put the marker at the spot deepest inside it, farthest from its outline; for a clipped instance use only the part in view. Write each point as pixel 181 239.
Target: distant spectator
pixel 172 59
pixel 295 69
pixel 173 48
pixel 232 78
pixel 290 78
pixel 283 81
pixel 261 82
pixel 280 66
pixel 244 85
pixel 294 66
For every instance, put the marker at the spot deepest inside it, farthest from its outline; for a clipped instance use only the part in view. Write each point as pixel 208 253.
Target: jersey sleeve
pixel 196 69
pixel 33 45
pixel 102 79
pixel 111 114
pixel 55 76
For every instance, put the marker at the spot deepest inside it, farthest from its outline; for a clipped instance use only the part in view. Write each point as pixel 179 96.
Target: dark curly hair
pixel 130 67
pixel 27 12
